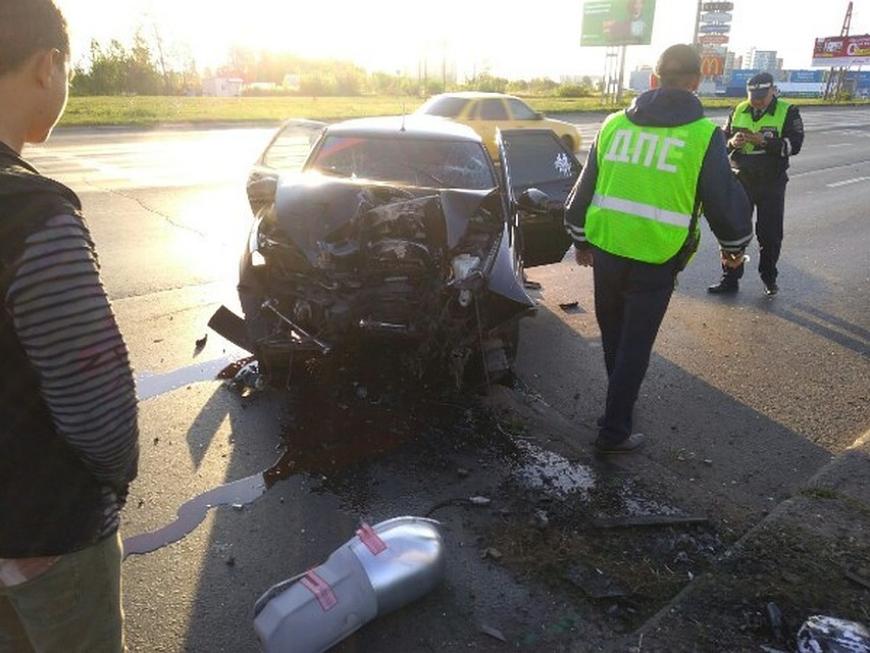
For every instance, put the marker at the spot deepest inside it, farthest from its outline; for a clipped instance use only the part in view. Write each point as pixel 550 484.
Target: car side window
pixel 492 109
pixel 520 110
pixel 291 147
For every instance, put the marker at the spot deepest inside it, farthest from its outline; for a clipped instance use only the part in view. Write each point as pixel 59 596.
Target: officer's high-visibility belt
pixel 646 211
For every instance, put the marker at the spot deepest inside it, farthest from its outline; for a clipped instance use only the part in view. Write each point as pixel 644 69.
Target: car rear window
pixel 520 109
pixel 492 110
pixel 409 161
pixel 446 107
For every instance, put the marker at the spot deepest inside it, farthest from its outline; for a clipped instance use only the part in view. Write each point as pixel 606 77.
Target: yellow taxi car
pixel 485 112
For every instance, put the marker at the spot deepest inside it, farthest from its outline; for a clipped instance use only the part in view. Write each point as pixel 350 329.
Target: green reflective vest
pixel 770 125
pixel 644 207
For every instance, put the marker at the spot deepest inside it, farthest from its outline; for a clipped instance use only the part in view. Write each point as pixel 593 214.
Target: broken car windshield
pixel 413 162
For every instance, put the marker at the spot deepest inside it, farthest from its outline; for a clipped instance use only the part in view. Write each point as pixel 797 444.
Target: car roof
pixel 477 95
pixel 410 126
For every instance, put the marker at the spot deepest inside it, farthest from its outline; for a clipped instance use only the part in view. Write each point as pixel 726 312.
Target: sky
pixel 510 38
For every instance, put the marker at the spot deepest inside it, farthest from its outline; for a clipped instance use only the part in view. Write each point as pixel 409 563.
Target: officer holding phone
pixel 762 132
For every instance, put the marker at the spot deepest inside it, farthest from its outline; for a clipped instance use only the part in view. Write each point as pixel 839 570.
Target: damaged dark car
pixel 399 231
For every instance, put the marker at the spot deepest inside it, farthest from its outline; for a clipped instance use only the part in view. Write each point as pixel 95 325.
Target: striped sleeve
pixel 65 323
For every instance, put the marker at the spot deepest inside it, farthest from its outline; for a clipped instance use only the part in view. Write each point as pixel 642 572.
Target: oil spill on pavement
pixel 192 513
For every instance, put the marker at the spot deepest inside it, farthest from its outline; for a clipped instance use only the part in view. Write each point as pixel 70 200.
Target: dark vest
pixel 49 503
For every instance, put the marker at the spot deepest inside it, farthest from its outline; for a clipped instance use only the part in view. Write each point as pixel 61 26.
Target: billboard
pixel 842 51
pixel 617 22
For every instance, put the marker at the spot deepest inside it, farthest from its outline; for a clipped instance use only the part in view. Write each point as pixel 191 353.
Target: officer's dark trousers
pixel 768 200
pixel 630 301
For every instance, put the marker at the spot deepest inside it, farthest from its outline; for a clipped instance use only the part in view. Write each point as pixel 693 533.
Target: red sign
pixel 713 39
pixel 712 66
pixel 842 51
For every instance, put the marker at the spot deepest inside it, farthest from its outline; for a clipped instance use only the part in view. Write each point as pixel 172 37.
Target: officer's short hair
pixel 28 26
pixel 678 65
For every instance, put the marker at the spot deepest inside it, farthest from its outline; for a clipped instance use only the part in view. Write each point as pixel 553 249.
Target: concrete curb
pixel 832 476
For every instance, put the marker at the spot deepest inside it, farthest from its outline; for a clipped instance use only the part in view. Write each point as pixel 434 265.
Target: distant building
pixel 732 61
pixel 639 79
pixel 765 60
pixel 222 86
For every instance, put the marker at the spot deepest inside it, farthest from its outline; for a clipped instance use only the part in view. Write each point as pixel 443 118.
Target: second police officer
pixel 763 131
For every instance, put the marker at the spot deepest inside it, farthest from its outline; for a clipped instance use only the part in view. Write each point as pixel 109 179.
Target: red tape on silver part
pixel 321 590
pixel 371 539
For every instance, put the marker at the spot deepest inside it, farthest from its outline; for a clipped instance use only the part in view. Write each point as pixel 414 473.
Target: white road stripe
pixel 846 182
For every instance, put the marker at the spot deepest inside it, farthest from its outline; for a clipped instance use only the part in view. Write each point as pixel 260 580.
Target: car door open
pixel 539 173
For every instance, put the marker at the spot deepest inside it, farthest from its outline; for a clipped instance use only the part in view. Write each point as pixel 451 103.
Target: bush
pixel 573 90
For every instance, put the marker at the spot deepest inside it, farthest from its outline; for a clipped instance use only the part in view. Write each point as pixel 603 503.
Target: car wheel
pixel 569 142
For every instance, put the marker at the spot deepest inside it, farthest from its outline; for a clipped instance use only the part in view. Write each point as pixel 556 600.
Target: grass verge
pixel 143 111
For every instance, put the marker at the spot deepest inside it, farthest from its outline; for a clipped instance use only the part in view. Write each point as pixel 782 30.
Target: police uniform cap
pixel 758 85
pixel 678 59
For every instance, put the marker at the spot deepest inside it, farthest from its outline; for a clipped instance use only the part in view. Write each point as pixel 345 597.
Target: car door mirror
pixel 533 200
pixel 538 116
pixel 261 190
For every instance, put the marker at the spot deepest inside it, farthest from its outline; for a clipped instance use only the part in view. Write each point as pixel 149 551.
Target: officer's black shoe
pixel 770 288
pixel 724 287
pixel 631 443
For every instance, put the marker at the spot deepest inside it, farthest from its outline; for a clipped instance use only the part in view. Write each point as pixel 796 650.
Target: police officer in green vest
pixel 763 132
pixel 634 214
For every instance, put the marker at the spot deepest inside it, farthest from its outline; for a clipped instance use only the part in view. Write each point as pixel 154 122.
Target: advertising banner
pixel 714 29
pixel 713 39
pixel 716 17
pixel 717 6
pixel 617 22
pixel 806 76
pixel 712 66
pixel 842 51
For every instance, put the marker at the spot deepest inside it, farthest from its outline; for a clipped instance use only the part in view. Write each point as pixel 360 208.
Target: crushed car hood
pixel 324 216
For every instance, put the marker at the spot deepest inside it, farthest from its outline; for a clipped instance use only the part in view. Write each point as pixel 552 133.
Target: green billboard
pixel 617 22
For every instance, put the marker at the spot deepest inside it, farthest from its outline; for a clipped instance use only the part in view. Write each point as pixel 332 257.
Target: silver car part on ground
pixel 380 570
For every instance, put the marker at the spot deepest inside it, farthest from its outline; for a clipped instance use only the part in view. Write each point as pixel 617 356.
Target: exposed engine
pixel 337 263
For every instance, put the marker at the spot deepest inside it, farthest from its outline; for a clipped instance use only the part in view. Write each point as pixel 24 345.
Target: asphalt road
pixel 745 398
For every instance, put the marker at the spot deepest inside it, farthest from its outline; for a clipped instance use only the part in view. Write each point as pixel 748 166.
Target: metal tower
pixel 838 75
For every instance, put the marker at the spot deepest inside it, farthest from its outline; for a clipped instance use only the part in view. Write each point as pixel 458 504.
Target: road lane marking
pixel 841 145
pixel 846 182
pixel 830 168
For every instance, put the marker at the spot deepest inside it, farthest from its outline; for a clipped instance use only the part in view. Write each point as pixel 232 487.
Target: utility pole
pixel 622 52
pixel 695 40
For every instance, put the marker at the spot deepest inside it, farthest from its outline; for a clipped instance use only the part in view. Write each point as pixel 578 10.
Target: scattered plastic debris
pixel 200 345
pixel 248 380
pixel 571 308
pixel 859 577
pixel 495 633
pixel 480 501
pixel 594 582
pixel 541 520
pixel 633 521
pixel 492 553
pixel 821 634
pixel 774 618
